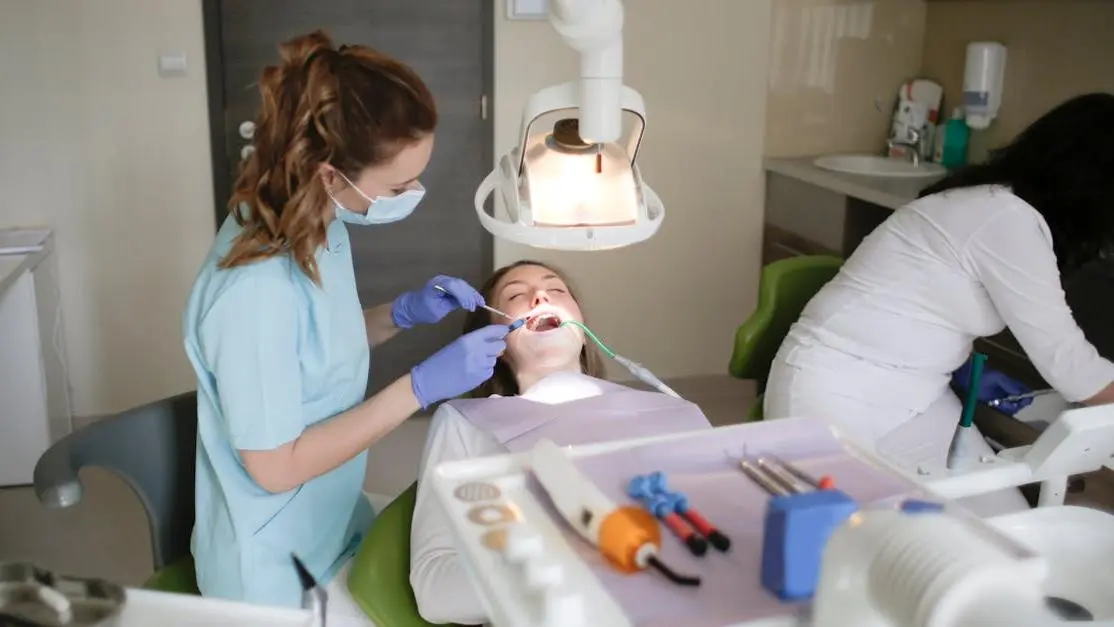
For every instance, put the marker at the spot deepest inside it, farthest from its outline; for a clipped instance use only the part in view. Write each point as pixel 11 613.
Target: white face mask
pixel 382 209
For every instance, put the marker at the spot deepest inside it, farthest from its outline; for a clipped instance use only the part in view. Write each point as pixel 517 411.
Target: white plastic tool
pixel 572 182
pixel 927 570
pixel 628 537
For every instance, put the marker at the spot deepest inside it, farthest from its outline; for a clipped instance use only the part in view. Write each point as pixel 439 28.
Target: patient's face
pixel 538 294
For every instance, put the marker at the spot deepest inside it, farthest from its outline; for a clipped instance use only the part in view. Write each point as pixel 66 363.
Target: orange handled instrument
pixel 628 537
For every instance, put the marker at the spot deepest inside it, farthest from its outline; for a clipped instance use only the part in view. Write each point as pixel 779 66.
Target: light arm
pixel 594 28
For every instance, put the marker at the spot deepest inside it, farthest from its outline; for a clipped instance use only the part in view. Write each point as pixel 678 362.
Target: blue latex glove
pixel 429 305
pixel 459 367
pixel 993 385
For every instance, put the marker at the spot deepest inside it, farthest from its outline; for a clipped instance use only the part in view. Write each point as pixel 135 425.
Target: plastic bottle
pixel 952 140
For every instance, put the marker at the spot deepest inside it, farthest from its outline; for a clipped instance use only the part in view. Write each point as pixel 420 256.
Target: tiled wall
pixel 835 70
pixel 1057 49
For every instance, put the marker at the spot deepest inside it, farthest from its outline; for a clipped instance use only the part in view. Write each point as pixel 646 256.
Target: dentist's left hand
pixel 429 305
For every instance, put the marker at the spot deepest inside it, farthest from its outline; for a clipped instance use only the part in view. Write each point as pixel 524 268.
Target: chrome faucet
pixel 911 143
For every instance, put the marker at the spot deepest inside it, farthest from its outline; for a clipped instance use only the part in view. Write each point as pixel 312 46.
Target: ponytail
pixel 351 108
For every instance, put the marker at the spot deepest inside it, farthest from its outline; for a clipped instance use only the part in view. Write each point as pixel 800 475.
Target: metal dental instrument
pixel 783 477
pixel 314 597
pixel 823 483
pixel 762 479
pixel 491 309
pixel 1020 397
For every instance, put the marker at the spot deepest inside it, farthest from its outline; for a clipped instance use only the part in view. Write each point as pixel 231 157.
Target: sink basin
pixel 873 165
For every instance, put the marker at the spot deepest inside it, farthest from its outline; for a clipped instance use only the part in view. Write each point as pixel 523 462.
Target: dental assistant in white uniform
pixel 549 368
pixel 279 340
pixel 982 250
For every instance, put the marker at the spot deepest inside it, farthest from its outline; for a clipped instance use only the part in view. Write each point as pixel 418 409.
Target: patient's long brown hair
pixel 504 382
pixel 351 107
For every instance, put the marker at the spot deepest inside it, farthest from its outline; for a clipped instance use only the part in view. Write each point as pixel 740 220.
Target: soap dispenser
pixel 951 141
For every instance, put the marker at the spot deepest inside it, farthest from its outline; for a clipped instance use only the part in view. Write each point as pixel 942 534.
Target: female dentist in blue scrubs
pixel 277 336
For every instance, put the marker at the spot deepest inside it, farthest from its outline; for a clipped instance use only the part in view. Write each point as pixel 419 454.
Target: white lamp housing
pixel 983 76
pixel 572 182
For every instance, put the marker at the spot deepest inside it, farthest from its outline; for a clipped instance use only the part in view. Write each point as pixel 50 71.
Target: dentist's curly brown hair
pixel 504 382
pixel 351 107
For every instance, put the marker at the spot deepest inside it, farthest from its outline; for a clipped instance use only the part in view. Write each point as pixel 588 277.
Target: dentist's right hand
pixel 459 367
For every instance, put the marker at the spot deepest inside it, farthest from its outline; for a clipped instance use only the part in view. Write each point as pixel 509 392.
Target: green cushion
pixel 379 579
pixel 784 289
pixel 177 577
pixel 755 413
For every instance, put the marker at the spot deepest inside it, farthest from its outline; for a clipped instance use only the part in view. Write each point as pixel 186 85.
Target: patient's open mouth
pixel 543 322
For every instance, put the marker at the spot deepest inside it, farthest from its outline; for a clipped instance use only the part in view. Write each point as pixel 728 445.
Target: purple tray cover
pixel 705 466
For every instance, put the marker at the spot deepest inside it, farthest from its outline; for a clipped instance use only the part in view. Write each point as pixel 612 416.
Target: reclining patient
pixel 546 385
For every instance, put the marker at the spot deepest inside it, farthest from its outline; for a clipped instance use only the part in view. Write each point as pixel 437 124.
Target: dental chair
pixel 379 579
pixel 153 449
pixel 784 288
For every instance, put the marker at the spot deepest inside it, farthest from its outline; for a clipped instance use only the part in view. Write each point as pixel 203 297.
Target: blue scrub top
pixel 274 354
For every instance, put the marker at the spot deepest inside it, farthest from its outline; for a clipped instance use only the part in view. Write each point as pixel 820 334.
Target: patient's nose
pixel 541 297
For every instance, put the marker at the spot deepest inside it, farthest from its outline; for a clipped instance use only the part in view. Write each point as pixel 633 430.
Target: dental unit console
pixel 884 549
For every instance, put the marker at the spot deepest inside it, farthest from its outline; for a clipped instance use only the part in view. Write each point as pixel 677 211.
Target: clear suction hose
pixel 644 375
pixel 639 371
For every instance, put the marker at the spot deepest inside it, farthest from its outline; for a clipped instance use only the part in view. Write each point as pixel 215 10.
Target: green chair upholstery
pixel 785 287
pixel 153 449
pixel 179 577
pixel 379 579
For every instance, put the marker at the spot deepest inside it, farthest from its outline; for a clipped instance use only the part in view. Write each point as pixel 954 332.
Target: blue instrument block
pixel 797 528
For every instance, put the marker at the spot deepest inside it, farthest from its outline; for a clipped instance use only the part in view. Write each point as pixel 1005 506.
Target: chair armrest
pixel 57 484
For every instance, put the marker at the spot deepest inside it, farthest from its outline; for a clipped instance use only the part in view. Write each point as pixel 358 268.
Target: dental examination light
pixel 572 182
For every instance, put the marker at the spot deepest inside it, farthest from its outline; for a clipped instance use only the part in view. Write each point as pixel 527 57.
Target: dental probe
pixel 491 309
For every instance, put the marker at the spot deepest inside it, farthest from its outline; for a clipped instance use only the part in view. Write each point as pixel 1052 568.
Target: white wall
pixel 95 145
pixel 674 301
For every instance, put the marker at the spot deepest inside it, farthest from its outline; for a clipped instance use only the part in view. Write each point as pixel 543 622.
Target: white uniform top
pixel 442 586
pixel 903 312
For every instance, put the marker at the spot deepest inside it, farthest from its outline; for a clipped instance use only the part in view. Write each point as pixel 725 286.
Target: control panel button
pixel 543 571
pixel 521 544
pixel 563 608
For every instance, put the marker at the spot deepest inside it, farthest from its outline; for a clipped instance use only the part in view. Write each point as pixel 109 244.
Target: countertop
pixel 20 251
pixel 890 192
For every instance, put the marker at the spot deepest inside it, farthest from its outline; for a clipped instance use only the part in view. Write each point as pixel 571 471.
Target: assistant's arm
pixel 1013 258
pixel 250 341
pixel 442 586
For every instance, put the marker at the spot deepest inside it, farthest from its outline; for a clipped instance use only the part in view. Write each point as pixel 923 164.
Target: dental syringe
pixel 638 370
pixel 1020 397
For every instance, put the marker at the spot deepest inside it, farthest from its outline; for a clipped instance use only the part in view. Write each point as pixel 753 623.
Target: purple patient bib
pixel 617 413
